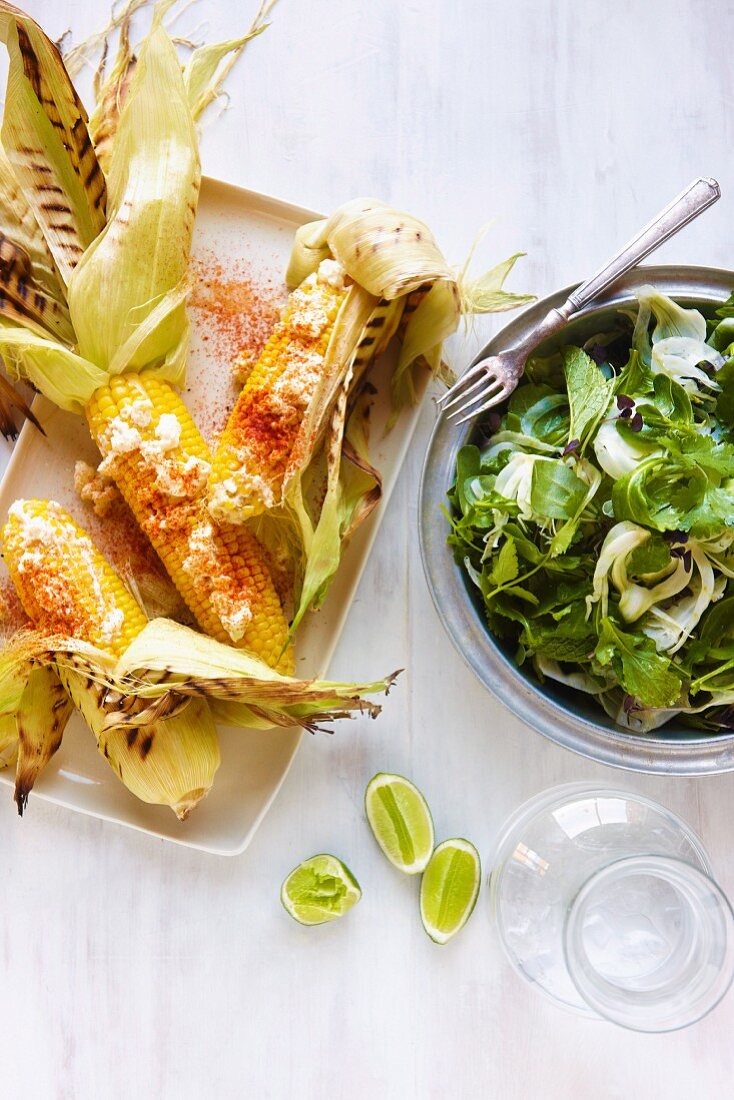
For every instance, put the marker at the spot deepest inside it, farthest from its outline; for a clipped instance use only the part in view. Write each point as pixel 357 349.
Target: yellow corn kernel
pixel 160 462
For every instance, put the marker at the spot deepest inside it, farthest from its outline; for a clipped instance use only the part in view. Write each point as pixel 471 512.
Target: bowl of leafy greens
pixel 579 540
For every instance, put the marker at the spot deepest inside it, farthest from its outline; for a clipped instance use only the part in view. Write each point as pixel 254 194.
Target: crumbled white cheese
pixel 168 431
pixel 294 385
pixel 122 438
pixel 140 412
pixel 230 499
pixel 111 624
pixel 201 543
pixel 235 617
pixel 29 559
pixel 331 273
pixel 34 529
pixel 95 488
pixel 308 318
pixel 178 479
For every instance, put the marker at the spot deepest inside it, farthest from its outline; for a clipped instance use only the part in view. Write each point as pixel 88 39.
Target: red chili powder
pixel 12 615
pixel 238 308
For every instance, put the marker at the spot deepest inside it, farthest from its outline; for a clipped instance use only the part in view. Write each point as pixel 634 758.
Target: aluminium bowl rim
pixel 460 617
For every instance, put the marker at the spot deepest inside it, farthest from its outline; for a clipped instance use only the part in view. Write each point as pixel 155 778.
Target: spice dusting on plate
pixel 239 309
pixel 234 311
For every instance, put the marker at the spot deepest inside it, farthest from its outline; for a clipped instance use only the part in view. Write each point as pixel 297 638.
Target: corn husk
pixel 165 667
pixel 18 224
pixel 386 252
pixel 196 665
pixel 168 757
pixel 8 741
pixel 60 374
pixel 167 763
pixel 127 275
pixel 111 91
pixel 353 490
pixel 45 137
pixel 127 297
pixel 40 720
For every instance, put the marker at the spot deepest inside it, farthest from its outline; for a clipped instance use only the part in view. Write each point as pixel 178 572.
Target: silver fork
pixel 492 380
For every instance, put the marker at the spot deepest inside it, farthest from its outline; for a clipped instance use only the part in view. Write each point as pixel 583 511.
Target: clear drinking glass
pixel 605 901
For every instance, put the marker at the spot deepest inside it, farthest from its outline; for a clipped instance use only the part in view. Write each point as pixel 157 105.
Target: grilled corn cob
pixel 249 465
pixel 67 587
pixel 160 462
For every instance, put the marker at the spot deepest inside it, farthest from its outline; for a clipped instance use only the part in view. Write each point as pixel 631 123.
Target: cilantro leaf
pixel 589 392
pixel 640 669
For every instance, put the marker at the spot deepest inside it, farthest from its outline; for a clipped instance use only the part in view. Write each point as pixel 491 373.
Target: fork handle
pixel 691 202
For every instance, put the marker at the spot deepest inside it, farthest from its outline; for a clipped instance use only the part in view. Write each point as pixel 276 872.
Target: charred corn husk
pixel 160 462
pixel 45 708
pixel 250 462
pixel 68 589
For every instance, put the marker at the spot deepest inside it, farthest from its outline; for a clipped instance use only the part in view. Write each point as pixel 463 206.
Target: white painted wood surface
pixel 131 967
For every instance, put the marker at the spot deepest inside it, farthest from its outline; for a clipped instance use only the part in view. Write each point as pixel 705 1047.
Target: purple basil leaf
pixel 572 446
pixel 636 423
pixel 624 402
pixel 675 536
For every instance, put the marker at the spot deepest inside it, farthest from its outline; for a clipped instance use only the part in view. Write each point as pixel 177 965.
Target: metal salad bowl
pixel 568 717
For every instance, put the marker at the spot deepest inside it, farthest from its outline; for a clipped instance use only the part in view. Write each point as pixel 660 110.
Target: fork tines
pixel 485 390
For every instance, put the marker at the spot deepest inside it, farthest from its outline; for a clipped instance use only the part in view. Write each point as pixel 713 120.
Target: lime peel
pixel 400 820
pixel 319 890
pixel 450 888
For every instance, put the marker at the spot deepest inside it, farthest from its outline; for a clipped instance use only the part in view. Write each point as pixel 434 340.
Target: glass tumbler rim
pixel 675 867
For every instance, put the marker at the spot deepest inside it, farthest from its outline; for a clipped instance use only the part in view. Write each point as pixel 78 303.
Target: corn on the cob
pixel 160 462
pixel 67 587
pixel 64 584
pixel 249 465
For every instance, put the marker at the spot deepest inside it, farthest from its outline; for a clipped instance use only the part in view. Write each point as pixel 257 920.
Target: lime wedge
pixel 449 889
pixel 401 821
pixel 319 890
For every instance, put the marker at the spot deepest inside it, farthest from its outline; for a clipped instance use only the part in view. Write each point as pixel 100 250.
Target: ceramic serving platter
pixel 237 231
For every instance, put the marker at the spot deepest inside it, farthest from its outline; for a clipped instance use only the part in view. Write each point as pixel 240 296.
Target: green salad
pixel 596 516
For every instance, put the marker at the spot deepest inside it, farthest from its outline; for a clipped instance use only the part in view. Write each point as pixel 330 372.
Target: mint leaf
pixel 566 649
pixel 589 392
pixel 555 491
pixel 505 568
pixel 640 669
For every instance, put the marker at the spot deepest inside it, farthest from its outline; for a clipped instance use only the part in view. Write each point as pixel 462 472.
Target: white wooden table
pixel 134 968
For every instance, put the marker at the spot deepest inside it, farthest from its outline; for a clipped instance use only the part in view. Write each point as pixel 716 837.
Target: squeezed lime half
pixel 400 820
pixel 320 889
pixel 450 888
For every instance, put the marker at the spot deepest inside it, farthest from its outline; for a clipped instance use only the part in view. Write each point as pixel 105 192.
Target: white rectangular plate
pixel 242 229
